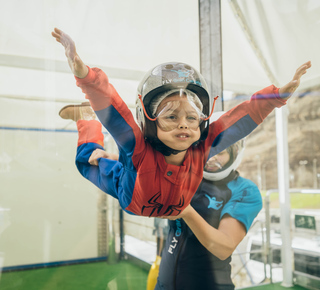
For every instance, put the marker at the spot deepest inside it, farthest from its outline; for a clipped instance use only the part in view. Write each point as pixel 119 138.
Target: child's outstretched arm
pixel 287 90
pixel 241 120
pixel 78 68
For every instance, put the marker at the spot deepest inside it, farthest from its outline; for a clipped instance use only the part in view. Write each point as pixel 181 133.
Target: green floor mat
pixel 91 276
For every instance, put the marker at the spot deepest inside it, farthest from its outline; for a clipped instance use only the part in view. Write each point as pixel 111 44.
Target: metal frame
pixel 286 239
pixel 210 48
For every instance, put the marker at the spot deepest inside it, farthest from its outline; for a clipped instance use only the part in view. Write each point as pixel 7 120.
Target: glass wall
pixel 57 228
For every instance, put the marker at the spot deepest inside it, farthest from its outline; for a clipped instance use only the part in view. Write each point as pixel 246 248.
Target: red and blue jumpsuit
pixel 142 181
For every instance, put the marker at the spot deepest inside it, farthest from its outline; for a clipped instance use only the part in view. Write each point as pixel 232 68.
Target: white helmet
pixel 164 78
pixel 235 151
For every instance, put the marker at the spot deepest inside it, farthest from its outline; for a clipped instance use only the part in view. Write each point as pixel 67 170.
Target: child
pixel 202 238
pixel 161 163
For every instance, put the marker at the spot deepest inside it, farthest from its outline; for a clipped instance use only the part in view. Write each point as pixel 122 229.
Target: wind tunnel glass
pixel 179 114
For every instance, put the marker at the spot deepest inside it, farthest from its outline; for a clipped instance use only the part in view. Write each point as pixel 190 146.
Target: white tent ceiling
pixel 262 42
pixel 284 32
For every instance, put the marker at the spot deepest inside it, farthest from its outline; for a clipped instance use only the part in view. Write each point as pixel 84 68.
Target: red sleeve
pixel 98 90
pixel 245 117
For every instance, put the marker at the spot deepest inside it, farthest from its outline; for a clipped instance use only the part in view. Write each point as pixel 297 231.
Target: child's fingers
pixel 302 70
pixel 98 153
pixel 57 30
pixel 56 33
pixel 93 161
pixel 75 63
pixel 287 90
pixel 56 36
pixel 307 64
pixel 93 157
pixel 62 37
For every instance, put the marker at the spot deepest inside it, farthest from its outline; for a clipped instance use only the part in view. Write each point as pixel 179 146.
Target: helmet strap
pixel 162 148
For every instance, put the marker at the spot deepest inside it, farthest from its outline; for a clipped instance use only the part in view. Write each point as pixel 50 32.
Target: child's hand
pixel 99 153
pixel 286 91
pixel 78 68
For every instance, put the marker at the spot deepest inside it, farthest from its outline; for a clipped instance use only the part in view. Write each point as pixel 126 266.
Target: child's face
pixel 217 162
pixel 178 123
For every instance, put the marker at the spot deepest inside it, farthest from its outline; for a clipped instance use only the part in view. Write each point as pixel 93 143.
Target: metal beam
pixel 45 99
pixel 284 197
pixel 62 66
pixel 210 48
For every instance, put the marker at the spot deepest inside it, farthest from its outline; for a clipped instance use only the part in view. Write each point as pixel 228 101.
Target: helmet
pixel 235 151
pixel 167 77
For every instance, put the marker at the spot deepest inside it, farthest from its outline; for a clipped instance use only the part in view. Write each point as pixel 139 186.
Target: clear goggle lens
pixel 179 114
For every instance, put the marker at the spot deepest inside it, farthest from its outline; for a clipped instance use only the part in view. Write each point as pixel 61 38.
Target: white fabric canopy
pixel 285 32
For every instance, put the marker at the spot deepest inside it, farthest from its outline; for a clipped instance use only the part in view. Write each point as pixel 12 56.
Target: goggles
pixel 182 113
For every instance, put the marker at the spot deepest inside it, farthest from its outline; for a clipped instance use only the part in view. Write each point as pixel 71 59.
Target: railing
pixel 245 262
pixel 268 248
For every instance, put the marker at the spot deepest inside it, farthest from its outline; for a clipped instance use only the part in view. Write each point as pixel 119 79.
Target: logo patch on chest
pixel 213 203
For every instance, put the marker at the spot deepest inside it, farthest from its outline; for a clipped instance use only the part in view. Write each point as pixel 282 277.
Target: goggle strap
pixel 212 108
pixel 144 110
pixel 146 114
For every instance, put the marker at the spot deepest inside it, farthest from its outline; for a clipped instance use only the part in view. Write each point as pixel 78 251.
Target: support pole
pixel 111 231
pixel 210 48
pixel 284 197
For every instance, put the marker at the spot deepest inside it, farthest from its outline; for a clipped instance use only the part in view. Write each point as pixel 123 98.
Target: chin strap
pixel 162 148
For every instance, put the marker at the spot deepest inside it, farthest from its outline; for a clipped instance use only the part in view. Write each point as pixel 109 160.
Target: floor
pixel 100 275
